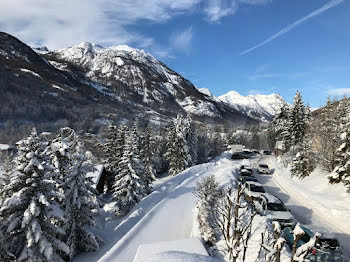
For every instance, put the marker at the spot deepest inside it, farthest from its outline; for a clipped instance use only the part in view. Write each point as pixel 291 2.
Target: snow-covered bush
pixel 234 219
pixel 274 244
pixel 207 193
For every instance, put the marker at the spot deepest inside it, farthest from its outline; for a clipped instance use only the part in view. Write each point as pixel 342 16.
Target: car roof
pixel 271 198
pixel 254 183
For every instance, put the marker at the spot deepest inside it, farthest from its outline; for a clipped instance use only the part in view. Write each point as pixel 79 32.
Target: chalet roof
pixel 96 175
pixel 5 147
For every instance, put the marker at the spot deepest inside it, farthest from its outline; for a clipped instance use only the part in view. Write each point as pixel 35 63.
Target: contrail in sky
pixel 317 12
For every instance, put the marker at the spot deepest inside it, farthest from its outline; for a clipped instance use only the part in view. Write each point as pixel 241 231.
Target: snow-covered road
pixel 308 207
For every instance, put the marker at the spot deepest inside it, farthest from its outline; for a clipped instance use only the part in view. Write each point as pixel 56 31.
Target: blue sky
pixel 210 42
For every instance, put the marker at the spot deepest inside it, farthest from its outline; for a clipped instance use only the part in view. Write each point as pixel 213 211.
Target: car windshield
pixel 305 238
pixel 263 166
pixel 246 173
pixel 255 188
pixel 276 207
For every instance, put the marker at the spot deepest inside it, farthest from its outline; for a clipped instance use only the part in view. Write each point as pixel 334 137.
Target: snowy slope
pixel 165 215
pixel 262 107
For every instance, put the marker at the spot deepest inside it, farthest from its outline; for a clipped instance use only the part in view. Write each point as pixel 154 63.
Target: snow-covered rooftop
pixel 189 245
pixel 176 256
pixel 96 174
pixel 4 147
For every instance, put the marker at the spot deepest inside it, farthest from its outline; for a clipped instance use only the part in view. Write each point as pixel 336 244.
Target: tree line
pixel 321 138
pixel 49 204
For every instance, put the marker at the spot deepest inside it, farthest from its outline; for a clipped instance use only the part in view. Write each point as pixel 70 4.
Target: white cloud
pixel 62 23
pixel 216 9
pixel 338 91
pixel 317 12
pixel 181 41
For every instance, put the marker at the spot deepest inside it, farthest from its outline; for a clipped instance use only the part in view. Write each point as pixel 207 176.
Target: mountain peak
pixel 260 107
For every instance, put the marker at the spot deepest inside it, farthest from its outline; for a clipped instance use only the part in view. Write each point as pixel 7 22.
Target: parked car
pixel 272 207
pixel 263 169
pixel 248 168
pixel 253 190
pixel 243 174
pixel 267 152
pixel 248 153
pixel 326 249
pixel 247 179
pixel 238 156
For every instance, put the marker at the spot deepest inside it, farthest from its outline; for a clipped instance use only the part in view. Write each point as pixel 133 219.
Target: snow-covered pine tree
pixel 341 172
pixel 112 152
pixel 30 215
pixel 203 147
pixel 303 162
pixel 178 151
pixel 81 207
pixel 128 186
pixel 80 202
pixel 192 140
pixel 278 125
pixel 138 156
pixel 298 119
pixel 149 150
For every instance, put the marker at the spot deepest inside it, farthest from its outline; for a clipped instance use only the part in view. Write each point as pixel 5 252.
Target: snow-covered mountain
pixel 260 107
pixel 84 83
pixel 135 76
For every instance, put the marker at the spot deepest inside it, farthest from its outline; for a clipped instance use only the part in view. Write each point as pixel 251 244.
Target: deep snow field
pixel 168 214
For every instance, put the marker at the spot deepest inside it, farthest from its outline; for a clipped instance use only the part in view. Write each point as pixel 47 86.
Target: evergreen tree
pixel 149 149
pixel 80 201
pixel 278 127
pixel 81 206
pixel 298 119
pixel 30 217
pixel 110 148
pixel 128 186
pixel 192 140
pixel 111 151
pixel 341 172
pixel 138 155
pixel 303 164
pixel 178 151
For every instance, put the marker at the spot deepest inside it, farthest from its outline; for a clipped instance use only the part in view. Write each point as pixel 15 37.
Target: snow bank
pixel 331 202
